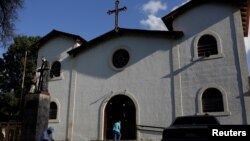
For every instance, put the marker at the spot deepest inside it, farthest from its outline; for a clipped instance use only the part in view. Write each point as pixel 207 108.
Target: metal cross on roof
pixel 116 11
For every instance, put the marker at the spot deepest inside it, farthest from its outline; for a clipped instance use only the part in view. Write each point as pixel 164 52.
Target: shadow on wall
pixel 96 62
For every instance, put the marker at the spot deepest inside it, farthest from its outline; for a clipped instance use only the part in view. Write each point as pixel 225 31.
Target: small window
pixel 212 101
pixel 53 111
pixel 120 58
pixel 55 69
pixel 207 45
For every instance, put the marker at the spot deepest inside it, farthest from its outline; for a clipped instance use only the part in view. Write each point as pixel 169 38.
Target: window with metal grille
pixel 207 45
pixel 212 101
pixel 120 58
pixel 53 111
pixel 55 69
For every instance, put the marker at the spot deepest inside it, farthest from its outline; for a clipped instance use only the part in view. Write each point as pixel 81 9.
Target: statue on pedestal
pixel 44 76
pixel 37 106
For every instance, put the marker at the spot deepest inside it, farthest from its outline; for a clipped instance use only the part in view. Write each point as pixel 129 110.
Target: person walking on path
pixel 47 135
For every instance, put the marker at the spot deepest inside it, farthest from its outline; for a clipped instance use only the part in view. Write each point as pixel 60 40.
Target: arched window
pixel 53 111
pixel 207 45
pixel 212 101
pixel 55 69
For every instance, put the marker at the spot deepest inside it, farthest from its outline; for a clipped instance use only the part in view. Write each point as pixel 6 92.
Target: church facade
pixel 148 78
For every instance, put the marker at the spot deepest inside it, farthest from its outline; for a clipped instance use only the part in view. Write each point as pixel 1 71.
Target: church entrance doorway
pixel 120 107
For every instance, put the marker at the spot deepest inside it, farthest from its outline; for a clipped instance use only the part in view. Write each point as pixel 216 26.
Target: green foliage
pixel 8 104
pixel 13 64
pixel 12 67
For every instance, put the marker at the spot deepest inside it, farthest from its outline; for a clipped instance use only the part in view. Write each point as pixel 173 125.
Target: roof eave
pixel 55 33
pixel 122 31
pixel 245 11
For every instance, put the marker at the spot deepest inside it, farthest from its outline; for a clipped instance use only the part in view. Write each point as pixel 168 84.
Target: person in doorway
pixel 47 135
pixel 117 130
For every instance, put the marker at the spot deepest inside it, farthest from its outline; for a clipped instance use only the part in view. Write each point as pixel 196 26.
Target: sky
pixel 89 18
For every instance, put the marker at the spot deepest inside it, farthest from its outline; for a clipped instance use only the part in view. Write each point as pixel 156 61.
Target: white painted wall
pixel 146 79
pixel 162 76
pixel 226 72
pixel 56 50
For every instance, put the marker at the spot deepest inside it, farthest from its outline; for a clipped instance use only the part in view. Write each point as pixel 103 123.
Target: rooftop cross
pixel 116 11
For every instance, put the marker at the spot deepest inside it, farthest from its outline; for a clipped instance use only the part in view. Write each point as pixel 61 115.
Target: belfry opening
pixel 120 107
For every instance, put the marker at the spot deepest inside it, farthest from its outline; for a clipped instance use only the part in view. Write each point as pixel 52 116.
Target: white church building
pixel 148 78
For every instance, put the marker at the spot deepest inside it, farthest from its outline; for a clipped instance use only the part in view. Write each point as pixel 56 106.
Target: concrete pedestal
pixel 35 116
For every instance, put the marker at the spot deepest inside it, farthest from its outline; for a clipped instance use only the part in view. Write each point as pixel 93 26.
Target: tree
pixel 12 66
pixel 13 63
pixel 8 104
pixel 8 14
